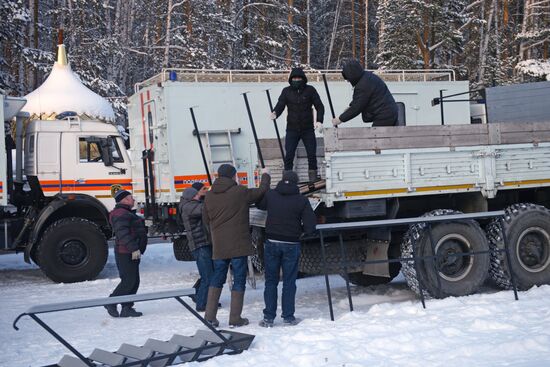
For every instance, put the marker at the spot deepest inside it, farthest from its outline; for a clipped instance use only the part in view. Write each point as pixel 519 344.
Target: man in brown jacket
pixel 226 213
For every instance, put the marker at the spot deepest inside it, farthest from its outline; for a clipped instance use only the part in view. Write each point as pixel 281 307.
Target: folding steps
pixel 205 344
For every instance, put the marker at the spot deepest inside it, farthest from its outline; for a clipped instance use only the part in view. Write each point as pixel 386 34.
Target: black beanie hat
pixel 290 177
pixel 226 170
pixel 197 185
pixel 121 194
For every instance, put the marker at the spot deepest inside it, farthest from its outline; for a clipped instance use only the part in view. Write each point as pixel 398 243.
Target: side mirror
pixel 105 147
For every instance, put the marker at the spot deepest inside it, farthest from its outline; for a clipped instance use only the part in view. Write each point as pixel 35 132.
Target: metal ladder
pixel 219 144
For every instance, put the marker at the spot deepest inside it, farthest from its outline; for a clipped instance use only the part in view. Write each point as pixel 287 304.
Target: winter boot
pixel 312 175
pixel 212 306
pixel 235 319
pixel 128 311
pixel 112 310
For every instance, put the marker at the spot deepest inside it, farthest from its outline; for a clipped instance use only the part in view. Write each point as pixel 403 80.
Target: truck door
pixel 47 155
pixel 91 176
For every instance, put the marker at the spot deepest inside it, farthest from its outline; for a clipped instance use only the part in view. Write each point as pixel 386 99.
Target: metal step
pixel 134 352
pixel 70 361
pixel 161 347
pixel 189 342
pixel 108 358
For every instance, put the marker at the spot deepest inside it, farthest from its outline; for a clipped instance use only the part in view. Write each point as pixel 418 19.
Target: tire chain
pixel 414 231
pixel 498 270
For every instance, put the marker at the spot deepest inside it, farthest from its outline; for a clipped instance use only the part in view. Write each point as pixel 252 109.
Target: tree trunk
pixel 485 43
pixel 353 52
pixel 168 34
pixel 289 37
pixel 308 34
pixel 362 31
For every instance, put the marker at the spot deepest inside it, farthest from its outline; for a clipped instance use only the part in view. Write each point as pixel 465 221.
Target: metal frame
pixel 390 223
pixel 231 344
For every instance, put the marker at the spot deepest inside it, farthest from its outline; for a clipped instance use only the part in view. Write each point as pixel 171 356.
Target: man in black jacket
pixel 299 98
pixel 289 214
pixel 190 211
pixel 371 97
pixel 130 243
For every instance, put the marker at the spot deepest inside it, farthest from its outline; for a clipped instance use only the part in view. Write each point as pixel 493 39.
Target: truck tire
pixel 72 250
pixel 181 249
pixel 458 275
pixel 258 237
pixel 527 229
pixel 311 259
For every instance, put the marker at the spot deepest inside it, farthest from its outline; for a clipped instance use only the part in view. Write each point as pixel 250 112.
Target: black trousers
pixel 292 139
pixel 128 271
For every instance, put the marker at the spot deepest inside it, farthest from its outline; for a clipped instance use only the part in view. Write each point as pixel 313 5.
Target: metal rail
pixel 338 228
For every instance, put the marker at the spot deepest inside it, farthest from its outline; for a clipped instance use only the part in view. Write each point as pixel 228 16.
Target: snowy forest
pixel 113 44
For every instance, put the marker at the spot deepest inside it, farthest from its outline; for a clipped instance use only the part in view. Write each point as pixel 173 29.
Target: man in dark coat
pixel 130 243
pixel 289 214
pixel 190 211
pixel 371 97
pixel 226 213
pixel 299 98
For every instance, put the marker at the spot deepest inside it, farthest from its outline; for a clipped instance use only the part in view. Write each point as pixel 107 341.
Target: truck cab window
pixel 89 150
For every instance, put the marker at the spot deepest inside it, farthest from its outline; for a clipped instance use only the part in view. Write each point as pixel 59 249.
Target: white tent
pixel 63 91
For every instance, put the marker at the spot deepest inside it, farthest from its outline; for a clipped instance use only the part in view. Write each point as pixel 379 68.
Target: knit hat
pixel 290 177
pixel 197 185
pixel 226 170
pixel 189 193
pixel 121 194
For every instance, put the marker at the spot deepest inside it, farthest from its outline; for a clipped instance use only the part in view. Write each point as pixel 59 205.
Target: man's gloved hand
pixel 336 121
pixel 136 255
pixel 318 126
pixel 265 170
pixel 273 116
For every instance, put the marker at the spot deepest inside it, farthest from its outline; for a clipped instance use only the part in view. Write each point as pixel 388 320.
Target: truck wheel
pixel 181 249
pixel 458 275
pixel 72 250
pixel 258 238
pixel 527 229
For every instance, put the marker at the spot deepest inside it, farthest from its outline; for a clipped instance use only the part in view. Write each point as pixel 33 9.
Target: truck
pixel 469 164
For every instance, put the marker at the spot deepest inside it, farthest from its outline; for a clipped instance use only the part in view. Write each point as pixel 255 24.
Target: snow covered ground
pixel 389 327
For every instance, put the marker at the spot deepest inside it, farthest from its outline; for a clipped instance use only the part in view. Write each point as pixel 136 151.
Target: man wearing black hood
pixel 289 214
pixel 299 98
pixel 371 97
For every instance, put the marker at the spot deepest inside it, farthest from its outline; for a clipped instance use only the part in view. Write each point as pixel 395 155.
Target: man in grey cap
pixel 226 213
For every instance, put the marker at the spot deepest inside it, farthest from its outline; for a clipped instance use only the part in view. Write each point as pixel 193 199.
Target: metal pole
pixel 327 283
pixel 200 146
pixel 441 106
pixel 508 262
pixel 275 124
pixel 146 178
pixel 343 255
pixel 328 95
pixel 254 130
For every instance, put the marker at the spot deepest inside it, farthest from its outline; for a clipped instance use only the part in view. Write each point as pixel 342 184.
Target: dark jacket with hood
pixel 289 214
pixel 299 100
pixel 226 213
pixel 190 212
pixel 129 229
pixel 371 97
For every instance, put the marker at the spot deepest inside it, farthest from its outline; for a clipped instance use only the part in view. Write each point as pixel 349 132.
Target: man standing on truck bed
pixel 371 97
pixel 299 99
pixel 226 213
pixel 130 243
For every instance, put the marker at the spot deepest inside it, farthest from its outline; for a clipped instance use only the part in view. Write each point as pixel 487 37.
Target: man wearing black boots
pixel 130 242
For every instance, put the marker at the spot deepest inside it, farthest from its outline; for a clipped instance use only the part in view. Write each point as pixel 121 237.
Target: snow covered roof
pixel 63 91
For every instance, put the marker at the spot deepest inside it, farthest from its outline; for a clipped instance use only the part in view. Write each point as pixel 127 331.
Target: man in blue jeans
pixel 225 211
pixel 190 211
pixel 299 98
pixel 289 214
